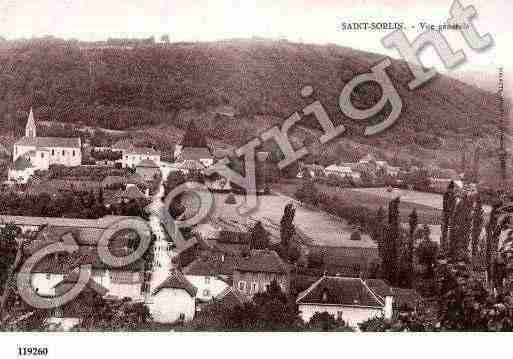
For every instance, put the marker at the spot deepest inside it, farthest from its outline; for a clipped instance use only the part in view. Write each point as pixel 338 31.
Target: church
pixel 32 153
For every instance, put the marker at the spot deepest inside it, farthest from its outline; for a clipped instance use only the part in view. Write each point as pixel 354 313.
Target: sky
pixel 296 20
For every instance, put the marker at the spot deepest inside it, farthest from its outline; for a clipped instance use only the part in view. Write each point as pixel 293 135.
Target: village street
pixel 162 265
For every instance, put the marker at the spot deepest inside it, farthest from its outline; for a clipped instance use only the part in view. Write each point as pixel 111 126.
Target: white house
pixel 46 151
pixel 349 299
pixel 209 276
pixel 198 154
pixel 173 300
pixel 342 171
pixel 131 157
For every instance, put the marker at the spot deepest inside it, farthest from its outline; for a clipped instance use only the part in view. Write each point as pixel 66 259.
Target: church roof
pixel 49 142
pixel 30 121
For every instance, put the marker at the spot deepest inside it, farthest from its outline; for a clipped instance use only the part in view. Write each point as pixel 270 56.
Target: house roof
pixel 147 163
pixel 132 192
pixel 21 164
pixel 231 297
pixel 100 223
pixel 341 291
pixel 177 281
pixel 191 165
pixel 49 142
pixel 212 265
pixel 262 261
pixel 380 287
pixel 340 169
pixel 142 151
pixel 195 153
pixel 73 277
pixel 132 179
pixel 123 144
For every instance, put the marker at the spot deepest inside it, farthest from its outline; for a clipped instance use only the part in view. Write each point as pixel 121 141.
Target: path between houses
pixel 162 263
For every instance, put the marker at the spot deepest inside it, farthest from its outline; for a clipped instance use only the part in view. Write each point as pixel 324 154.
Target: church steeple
pixel 30 129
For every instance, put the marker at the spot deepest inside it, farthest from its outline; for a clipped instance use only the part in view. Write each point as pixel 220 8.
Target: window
pixel 207 280
pixel 182 316
pixel 42 155
pixel 63 152
pixel 254 287
pixel 339 315
pixel 206 293
pixel 73 153
pixel 48 276
pixel 242 285
pixel 53 152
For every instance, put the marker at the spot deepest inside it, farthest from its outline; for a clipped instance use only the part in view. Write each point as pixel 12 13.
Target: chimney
pixel 388 310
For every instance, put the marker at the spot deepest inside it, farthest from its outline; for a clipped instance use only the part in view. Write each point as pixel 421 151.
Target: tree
pixel 308 192
pixel 408 275
pixel 378 230
pixel 459 234
pixel 325 321
pixel 427 251
pixel 449 201
pixel 287 229
pixel 258 237
pixel 391 239
pixel 477 225
pixel 8 248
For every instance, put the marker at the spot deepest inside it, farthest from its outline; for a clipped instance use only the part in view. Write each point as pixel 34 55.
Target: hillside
pixel 159 85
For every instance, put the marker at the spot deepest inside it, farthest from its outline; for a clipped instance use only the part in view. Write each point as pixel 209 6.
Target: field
pixel 427 205
pixel 321 228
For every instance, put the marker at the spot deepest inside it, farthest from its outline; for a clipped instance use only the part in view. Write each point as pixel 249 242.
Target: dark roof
pixel 142 151
pixel 65 262
pixel 380 287
pixel 191 165
pixel 147 163
pixel 212 265
pixel 231 297
pixel 132 179
pixel 100 223
pixel 177 281
pixel 123 144
pixel 262 261
pixel 73 277
pixel 49 142
pixel 132 192
pixel 340 291
pixel 195 153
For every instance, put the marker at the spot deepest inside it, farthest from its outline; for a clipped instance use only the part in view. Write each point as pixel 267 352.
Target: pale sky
pixel 296 20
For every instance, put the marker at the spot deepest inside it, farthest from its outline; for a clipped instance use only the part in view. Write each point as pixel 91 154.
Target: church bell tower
pixel 30 129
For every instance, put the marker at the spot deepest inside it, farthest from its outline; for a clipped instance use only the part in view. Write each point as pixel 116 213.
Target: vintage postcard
pixel 172 167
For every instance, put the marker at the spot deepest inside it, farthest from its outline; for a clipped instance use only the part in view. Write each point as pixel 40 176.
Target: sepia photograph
pixel 170 169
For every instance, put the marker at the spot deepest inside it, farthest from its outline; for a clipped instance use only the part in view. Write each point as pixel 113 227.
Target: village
pixel 227 262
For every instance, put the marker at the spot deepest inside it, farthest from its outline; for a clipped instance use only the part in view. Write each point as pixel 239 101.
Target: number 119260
pixel 32 351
